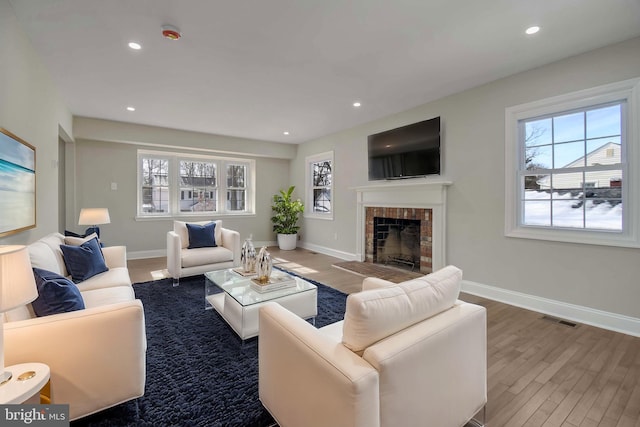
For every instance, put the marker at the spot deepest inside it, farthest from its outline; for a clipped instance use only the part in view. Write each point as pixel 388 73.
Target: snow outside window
pixel 572 167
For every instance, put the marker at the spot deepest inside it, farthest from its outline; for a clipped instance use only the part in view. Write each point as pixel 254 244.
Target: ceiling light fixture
pixel 170 32
pixel 532 30
pixel 131 108
pixel 286 132
pixel 135 46
pixel 356 104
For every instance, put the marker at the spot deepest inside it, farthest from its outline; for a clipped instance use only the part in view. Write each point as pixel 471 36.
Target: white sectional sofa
pixel 408 355
pixel 97 356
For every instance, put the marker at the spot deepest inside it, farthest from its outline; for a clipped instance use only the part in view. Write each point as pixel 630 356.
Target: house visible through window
pixel 572 167
pixel 319 186
pixel 173 184
pixel 567 169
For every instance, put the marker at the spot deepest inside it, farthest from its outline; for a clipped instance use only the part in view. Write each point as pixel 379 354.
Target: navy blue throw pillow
pixel 84 261
pixel 202 236
pixel 56 294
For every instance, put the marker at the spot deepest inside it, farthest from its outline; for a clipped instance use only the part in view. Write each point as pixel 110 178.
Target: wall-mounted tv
pixel 405 152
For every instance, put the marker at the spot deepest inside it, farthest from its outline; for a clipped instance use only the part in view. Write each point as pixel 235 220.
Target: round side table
pixel 27 381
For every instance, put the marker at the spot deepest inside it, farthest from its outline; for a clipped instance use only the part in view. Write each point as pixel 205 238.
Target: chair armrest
pixel 375 283
pixel 174 248
pixel 308 379
pixel 96 355
pixel 115 256
pixel 231 241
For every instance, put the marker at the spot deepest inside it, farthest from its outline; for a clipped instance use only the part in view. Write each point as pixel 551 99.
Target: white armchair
pixel 184 262
pixel 405 355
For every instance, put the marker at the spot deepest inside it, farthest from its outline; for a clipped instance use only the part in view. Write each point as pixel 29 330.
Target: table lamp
pixel 94 217
pixel 17 287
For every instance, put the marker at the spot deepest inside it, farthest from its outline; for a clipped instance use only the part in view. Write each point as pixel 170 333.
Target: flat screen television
pixel 405 152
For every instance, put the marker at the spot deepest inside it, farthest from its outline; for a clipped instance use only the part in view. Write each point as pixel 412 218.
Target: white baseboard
pixel 328 251
pixel 576 313
pixel 156 253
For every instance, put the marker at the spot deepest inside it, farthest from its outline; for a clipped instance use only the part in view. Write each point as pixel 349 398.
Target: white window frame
pixel 629 91
pixel 174 188
pixel 309 161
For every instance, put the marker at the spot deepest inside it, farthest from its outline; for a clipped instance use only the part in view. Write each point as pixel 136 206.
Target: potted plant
pixel 285 219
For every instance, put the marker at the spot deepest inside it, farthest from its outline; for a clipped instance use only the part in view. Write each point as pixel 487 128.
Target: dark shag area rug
pixel 199 373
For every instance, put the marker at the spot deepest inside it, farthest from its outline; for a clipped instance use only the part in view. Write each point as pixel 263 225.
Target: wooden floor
pixel 541 371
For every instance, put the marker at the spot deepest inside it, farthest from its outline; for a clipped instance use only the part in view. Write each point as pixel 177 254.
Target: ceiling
pixel 257 68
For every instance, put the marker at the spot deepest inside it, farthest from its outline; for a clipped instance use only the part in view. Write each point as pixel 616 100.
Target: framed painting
pixel 17 184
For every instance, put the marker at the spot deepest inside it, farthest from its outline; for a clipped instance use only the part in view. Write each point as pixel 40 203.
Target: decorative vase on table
pixel 264 265
pixel 248 256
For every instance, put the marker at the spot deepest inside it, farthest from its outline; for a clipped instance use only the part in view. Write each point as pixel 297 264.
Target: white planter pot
pixel 287 242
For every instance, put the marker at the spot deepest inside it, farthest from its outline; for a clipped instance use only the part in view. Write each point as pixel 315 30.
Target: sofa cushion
pixel 204 256
pixel 375 314
pixel 56 294
pixel 117 276
pixel 84 261
pixel 113 295
pixel 46 254
pixel 180 228
pixel 201 236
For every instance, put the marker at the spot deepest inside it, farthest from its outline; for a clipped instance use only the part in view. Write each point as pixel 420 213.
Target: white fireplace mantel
pixel 399 194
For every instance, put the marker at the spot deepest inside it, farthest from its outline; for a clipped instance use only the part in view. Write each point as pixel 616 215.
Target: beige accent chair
pixel 97 356
pixel 184 262
pixel 406 355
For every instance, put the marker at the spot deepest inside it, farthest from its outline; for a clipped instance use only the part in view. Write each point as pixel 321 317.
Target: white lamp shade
pixel 17 285
pixel 94 216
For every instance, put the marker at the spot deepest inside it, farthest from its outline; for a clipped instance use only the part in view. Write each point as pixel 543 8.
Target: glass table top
pixel 239 287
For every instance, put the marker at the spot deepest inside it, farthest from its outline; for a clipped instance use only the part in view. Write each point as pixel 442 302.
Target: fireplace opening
pixel 397 241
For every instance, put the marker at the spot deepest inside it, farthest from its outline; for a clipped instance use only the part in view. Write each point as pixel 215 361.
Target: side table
pixel 29 380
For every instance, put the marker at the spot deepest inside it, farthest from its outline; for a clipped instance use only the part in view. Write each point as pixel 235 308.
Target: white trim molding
pixel 628 91
pixel 586 315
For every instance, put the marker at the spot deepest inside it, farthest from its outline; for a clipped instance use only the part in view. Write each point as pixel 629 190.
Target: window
pixel 572 167
pixel 173 184
pixel 319 191
pixel 236 187
pixel 200 180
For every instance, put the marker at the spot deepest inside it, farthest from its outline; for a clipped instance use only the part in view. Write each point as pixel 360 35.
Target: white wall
pixel 113 159
pixel 596 277
pixel 31 108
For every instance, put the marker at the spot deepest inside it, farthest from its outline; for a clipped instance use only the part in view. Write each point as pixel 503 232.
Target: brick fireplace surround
pixel 418 214
pixel 420 199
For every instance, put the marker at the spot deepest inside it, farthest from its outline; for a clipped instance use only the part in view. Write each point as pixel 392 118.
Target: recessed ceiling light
pixel 356 104
pixel 131 108
pixel 286 132
pixel 135 46
pixel 532 30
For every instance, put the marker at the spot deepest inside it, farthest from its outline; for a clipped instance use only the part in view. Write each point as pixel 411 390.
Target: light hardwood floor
pixel 541 372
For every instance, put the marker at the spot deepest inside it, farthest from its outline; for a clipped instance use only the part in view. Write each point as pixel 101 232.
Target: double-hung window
pixel 572 167
pixel 175 184
pixel 319 183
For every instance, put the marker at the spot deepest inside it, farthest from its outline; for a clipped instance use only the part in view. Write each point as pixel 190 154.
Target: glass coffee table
pixel 238 302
